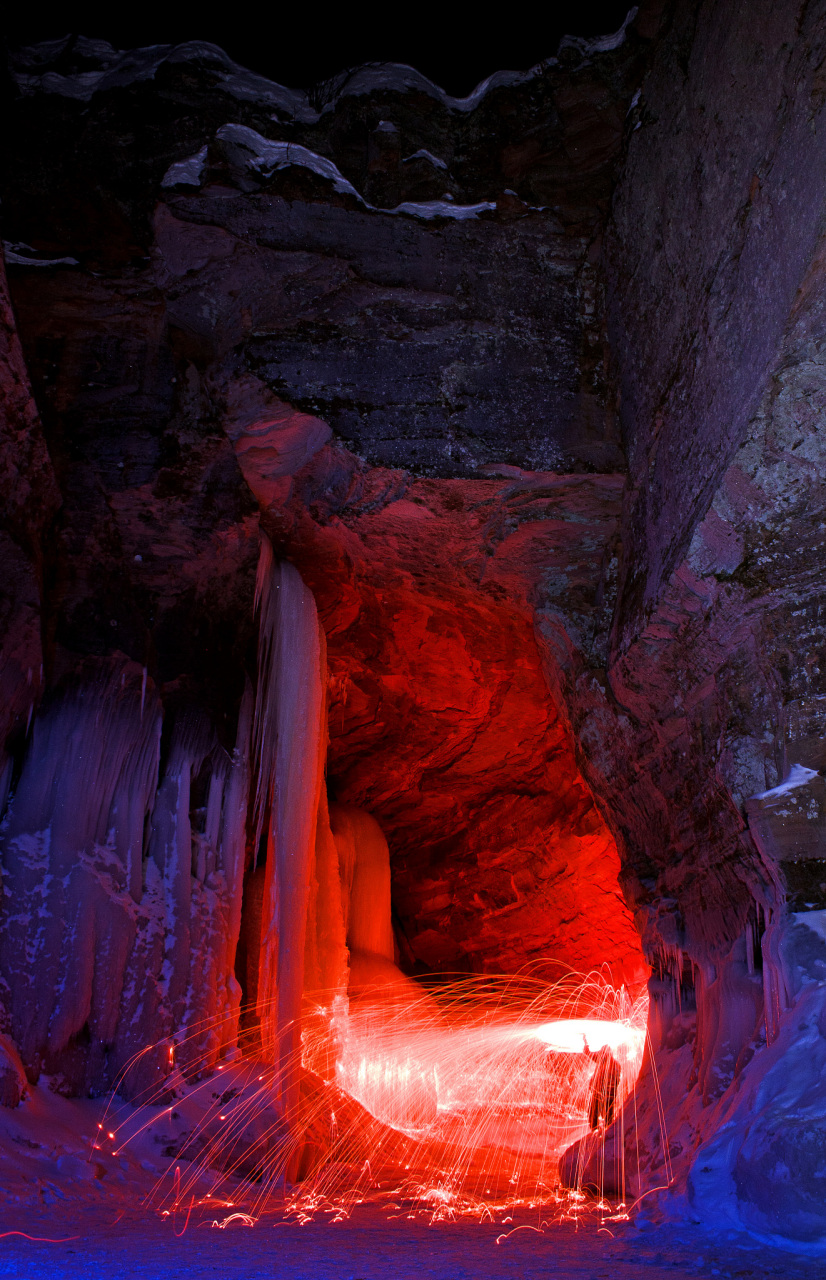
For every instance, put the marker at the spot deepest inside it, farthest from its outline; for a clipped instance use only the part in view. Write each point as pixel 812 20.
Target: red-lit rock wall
pixel 440 720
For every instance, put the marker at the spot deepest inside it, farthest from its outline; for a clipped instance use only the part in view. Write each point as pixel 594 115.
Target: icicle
pixel 92 934
pixel 775 989
pixel 232 843
pixel 180 978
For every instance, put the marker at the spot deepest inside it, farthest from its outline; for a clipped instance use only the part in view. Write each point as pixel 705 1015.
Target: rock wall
pixel 366 323
pixel 716 217
pixel 550 470
pixel 711 691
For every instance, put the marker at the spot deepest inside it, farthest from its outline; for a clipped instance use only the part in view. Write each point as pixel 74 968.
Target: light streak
pixel 457 1100
pixel 571 1035
pixel 38 1239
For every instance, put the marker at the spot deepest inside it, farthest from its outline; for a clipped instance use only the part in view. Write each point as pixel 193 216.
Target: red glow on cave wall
pixel 441 723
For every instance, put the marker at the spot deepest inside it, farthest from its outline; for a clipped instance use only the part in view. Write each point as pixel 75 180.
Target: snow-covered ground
pixel 369 1246
pixel 93 1210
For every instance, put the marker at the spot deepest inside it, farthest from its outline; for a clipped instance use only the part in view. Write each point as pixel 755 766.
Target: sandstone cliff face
pixel 712 688
pixel 368 324
pixel 404 337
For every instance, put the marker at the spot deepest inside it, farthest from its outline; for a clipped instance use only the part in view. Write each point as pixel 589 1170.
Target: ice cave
pixel 413 659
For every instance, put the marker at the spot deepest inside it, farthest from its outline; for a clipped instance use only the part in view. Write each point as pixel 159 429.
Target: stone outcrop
pixel 710 696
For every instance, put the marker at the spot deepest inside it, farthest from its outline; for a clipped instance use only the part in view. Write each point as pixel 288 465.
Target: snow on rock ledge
pixel 443 209
pixel 186 173
pixel 249 150
pixel 799 776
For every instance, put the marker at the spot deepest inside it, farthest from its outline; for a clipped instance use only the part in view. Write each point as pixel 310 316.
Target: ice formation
pixel 123 862
pixel 289 738
pixel 121 883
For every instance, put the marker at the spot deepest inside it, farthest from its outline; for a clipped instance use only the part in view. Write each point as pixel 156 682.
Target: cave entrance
pixel 440 725
pixel 415 951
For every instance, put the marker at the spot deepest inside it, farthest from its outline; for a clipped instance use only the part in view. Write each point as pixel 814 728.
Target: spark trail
pixel 455 1099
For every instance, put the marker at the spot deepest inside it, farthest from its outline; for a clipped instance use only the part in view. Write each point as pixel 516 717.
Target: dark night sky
pixel 455 45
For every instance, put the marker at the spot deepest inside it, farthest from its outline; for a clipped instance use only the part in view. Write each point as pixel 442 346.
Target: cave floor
pixel 368 1246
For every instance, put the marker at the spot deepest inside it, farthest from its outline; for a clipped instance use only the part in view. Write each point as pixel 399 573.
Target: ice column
pixel 364 866
pixel 290 740
pixel 364 862
pixel 326 949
